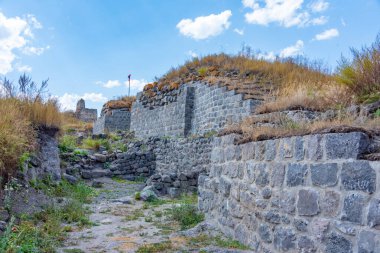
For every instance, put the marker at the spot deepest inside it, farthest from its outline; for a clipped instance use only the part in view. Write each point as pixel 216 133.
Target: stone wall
pixel 160 120
pixel 113 120
pixel 179 163
pixel 214 107
pixel 45 161
pixel 298 194
pixel 85 114
pixel 195 108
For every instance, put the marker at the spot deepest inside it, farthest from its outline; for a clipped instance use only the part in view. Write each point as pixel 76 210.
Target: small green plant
pixel 80 152
pixel 377 113
pixel 137 195
pixel 24 159
pixel 95 144
pixel 202 71
pixel 155 247
pixel 148 219
pixel 119 179
pixel 67 143
pixel 186 215
pixel 135 215
pixel 210 134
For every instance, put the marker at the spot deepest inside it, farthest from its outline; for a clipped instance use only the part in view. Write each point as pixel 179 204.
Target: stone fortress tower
pixel 85 114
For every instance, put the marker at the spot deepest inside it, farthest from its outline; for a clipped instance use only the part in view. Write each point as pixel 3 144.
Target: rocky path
pixel 122 224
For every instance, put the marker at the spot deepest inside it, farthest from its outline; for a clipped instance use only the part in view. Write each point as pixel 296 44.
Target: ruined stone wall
pixel 179 163
pixel 168 119
pixel 298 194
pixel 214 107
pixel 195 108
pixel 113 120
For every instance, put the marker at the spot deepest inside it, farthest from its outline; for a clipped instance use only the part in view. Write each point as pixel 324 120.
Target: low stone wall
pixel 299 194
pixel 113 120
pixel 179 163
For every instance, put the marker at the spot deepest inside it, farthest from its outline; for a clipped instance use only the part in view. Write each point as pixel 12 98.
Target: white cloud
pixel 319 6
pixel 319 21
pixel 14 33
pixel 110 83
pixel 69 101
pixel 343 22
pixel 24 68
pixel 34 50
pixel 192 54
pixel 286 13
pixel 328 34
pixel 205 26
pixel 32 20
pixel 293 50
pixel 239 31
pixel 270 56
pixel 136 85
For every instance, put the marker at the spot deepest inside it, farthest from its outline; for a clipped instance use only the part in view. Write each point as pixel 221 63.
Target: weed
pixel 155 247
pixel 377 113
pixel 158 214
pixel 210 134
pixel 25 157
pixel 135 215
pixel 148 219
pixel 186 214
pixel 119 180
pixel 137 195
pixel 67 143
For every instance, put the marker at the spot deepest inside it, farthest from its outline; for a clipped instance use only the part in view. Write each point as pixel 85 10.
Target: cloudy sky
pixel 87 48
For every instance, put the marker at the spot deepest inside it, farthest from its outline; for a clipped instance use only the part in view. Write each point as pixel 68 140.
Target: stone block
pixel 306 245
pixel 265 233
pixel 299 150
pixel 353 208
pixel 345 145
pixel 314 147
pixel 336 243
pixel 324 174
pixel 273 217
pixel 300 225
pixel 307 204
pixel 373 218
pixel 284 239
pixel 286 148
pixel 358 176
pixel 262 175
pixel 248 151
pixel 225 186
pixel 296 174
pixel 330 203
pixel 270 150
pixel 367 243
pixel 278 174
pixel 260 151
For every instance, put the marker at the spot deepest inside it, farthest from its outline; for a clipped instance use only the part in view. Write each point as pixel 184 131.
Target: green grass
pixel 67 143
pixel 135 215
pixel 155 247
pixel 227 243
pixel 186 215
pixel 44 232
pixel 95 144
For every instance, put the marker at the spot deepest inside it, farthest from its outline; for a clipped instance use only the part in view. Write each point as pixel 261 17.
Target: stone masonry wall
pixel 298 194
pixel 116 119
pixel 169 119
pixel 179 163
pixel 214 107
pixel 197 109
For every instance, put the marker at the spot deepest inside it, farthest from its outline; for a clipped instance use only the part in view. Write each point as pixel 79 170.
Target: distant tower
pixel 81 105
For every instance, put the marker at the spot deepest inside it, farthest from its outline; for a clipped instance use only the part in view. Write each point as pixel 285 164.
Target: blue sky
pixel 88 47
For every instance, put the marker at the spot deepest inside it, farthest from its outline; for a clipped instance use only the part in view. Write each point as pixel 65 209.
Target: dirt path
pixel 122 224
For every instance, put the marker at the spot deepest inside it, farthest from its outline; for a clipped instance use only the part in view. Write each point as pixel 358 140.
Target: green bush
pixel 186 214
pixel 67 143
pixel 95 144
pixel 361 75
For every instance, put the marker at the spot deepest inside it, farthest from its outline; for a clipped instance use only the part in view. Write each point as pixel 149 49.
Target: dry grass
pixel 70 123
pixel 122 102
pixel 251 131
pixel 23 111
pixel 282 84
